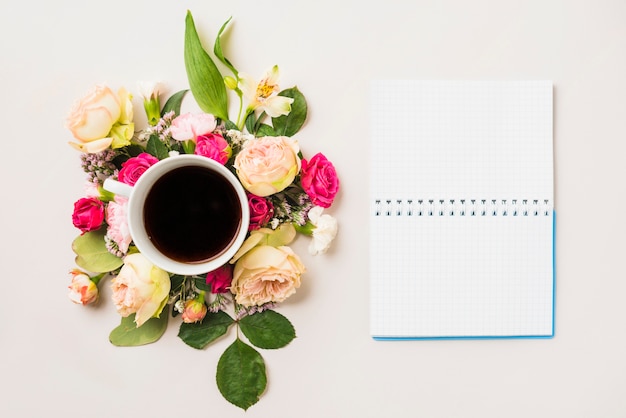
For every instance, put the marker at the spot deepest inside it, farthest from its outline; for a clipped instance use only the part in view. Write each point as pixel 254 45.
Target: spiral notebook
pixel 461 213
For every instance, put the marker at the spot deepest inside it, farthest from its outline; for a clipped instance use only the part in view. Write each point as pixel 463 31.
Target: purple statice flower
pixel 99 165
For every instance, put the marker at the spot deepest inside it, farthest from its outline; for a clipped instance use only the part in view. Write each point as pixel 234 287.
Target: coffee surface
pixel 192 214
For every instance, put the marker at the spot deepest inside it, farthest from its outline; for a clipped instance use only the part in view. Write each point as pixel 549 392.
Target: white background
pixel 55 356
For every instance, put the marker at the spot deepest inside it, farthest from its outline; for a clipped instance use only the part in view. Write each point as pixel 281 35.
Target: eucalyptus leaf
pixel 288 125
pixel 174 103
pixel 205 80
pixel 200 334
pixel 267 329
pixel 92 254
pixel 241 375
pixel 128 335
pixel 156 148
pixel 217 49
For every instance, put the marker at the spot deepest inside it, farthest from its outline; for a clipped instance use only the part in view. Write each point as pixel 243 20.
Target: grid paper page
pixel 461 231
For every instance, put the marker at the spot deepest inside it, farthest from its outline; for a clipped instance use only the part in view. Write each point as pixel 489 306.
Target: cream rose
pixel 92 118
pixel 266 274
pixel 268 165
pixel 140 288
pixel 83 290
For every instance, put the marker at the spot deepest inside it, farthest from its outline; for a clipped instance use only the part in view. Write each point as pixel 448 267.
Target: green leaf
pixel 128 335
pixel 156 148
pixel 265 130
pixel 200 334
pixel 92 254
pixel 217 49
pixel 267 329
pixel 202 285
pixel 228 125
pixel 250 122
pixel 288 125
pixel 174 103
pixel 241 375
pixel 205 80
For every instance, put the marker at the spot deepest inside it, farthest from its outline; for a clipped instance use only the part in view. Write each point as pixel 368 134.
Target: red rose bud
pixel 220 279
pixel 319 180
pixel 88 214
pixel 261 211
pixel 213 146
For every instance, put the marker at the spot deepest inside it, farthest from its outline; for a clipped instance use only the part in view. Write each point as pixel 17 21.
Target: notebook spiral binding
pixel 462 207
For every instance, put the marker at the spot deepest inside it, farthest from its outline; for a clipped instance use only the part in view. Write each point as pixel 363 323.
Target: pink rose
pixel 83 290
pixel 88 214
pixel 117 220
pixel 220 279
pixel 261 211
pixel 195 311
pixel 134 167
pixel 268 165
pixel 319 180
pixel 213 146
pixel 189 126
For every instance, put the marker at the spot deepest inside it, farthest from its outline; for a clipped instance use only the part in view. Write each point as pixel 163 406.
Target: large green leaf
pixel 241 375
pixel 92 254
pixel 200 334
pixel 205 80
pixel 217 49
pixel 288 125
pixel 267 329
pixel 128 335
pixel 174 103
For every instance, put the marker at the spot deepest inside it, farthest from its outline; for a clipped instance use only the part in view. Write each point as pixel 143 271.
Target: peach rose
pixel 266 274
pixel 92 118
pixel 83 290
pixel 140 288
pixel 268 165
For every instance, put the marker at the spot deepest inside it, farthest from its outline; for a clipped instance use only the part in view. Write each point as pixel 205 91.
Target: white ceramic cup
pixel 138 193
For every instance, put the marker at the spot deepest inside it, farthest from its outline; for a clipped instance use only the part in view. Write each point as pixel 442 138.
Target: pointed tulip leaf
pixel 267 329
pixel 217 49
pixel 92 254
pixel 173 103
pixel 205 80
pixel 128 335
pixel 200 334
pixel 241 375
pixel 288 125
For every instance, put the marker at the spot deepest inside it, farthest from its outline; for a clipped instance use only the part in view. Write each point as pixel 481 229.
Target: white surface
pixel 56 359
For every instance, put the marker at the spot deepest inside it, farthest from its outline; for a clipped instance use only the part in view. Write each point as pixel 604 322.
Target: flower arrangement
pixel 287 195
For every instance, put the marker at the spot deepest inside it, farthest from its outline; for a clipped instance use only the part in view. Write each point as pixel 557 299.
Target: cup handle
pixel 117 187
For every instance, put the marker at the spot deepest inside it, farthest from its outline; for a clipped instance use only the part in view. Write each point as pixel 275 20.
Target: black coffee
pixel 192 214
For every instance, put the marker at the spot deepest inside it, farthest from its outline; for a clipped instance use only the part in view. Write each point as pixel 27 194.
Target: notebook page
pixel 462 227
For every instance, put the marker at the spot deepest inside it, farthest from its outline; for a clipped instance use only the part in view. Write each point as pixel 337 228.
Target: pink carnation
pixel 88 214
pixel 319 180
pixel 118 223
pixel 134 167
pixel 213 146
pixel 189 126
pixel 261 211
pixel 220 279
